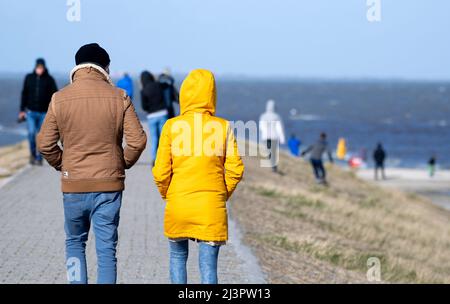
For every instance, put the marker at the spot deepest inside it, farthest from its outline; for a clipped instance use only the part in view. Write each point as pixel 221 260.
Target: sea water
pixel 410 118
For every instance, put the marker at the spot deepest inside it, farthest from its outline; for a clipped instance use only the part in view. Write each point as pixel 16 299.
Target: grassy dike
pixel 12 159
pixel 305 233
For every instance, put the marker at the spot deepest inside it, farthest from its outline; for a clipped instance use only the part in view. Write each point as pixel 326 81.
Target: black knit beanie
pixel 92 53
pixel 40 61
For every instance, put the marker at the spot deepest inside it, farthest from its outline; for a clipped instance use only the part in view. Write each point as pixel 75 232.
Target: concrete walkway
pixel 416 181
pixel 32 234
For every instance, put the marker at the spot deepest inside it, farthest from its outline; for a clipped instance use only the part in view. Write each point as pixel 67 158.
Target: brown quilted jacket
pixel 90 117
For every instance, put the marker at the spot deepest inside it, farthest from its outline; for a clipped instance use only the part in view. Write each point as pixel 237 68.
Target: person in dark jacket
pixel 432 166
pixel 37 92
pixel 379 156
pixel 153 103
pixel 170 93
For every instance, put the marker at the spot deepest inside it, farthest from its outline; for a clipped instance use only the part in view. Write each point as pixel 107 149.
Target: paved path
pixel 32 234
pixel 416 181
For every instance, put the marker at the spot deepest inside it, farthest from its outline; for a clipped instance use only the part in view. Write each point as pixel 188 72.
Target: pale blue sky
pixel 293 38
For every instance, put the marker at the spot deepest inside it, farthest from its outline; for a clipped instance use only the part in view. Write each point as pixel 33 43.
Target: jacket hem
pixel 198 236
pixel 92 186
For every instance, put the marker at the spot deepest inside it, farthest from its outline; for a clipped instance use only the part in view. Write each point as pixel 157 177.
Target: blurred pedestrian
pixel 126 83
pixel 294 145
pixel 37 92
pixel 316 152
pixel 379 157
pixel 170 92
pixel 272 133
pixel 152 99
pixel 341 150
pixel 432 166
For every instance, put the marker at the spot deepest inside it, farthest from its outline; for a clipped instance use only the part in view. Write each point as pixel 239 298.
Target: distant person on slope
pixel 379 156
pixel 126 83
pixel 294 145
pixel 432 166
pixel 37 92
pixel 152 99
pixel 316 152
pixel 272 133
pixel 170 92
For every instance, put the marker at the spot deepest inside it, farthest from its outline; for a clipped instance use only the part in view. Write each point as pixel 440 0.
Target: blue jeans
pixel 319 169
pixel 207 261
pixel 34 123
pixel 155 125
pixel 102 209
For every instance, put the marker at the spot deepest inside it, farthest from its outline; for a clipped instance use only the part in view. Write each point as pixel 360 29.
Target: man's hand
pixel 22 116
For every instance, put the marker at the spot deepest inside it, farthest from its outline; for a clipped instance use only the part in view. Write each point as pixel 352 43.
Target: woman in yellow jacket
pixel 197 169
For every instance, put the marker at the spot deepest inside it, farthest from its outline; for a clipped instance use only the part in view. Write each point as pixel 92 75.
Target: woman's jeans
pixel 207 261
pixel 34 123
pixel 102 209
pixel 155 125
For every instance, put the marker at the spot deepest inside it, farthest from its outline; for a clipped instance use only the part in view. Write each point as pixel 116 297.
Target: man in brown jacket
pixel 90 117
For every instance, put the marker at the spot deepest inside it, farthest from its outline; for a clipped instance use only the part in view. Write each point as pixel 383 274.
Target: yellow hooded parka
pixel 197 165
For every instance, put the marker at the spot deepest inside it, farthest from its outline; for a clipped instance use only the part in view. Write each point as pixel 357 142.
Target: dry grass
pixel 303 232
pixel 12 158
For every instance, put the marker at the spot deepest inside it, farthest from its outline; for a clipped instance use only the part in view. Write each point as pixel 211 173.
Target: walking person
pixel 197 169
pixel 379 157
pixel 37 91
pixel 316 152
pixel 91 117
pixel 126 83
pixel 152 100
pixel 272 133
pixel 170 93
pixel 432 166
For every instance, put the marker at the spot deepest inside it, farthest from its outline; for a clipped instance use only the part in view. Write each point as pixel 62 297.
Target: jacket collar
pixel 88 66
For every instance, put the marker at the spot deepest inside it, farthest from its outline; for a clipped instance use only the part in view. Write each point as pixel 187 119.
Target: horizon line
pixel 275 76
